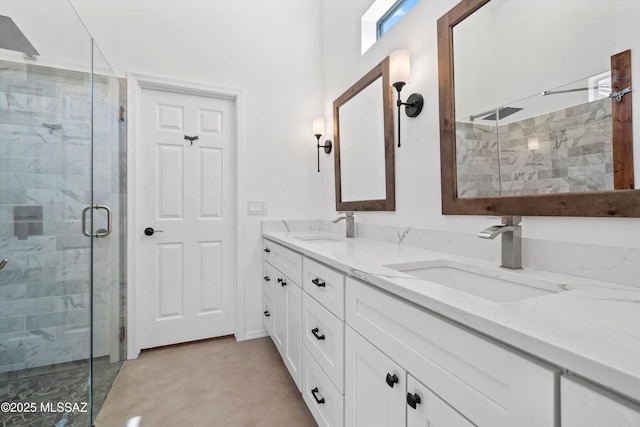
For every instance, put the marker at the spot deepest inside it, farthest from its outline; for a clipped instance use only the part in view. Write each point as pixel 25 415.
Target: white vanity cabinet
pixel 375 386
pixel 268 295
pixel 587 405
pixel 283 268
pixel 481 380
pixel 425 408
pixel 381 393
pixel 323 341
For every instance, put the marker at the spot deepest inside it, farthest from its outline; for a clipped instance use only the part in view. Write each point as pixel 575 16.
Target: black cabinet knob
pixel 315 332
pixel 267 250
pixel 413 400
pixel 267 278
pixel 392 380
pixel 315 396
pixel 267 314
pixel 319 282
pixel 282 281
pixel 149 231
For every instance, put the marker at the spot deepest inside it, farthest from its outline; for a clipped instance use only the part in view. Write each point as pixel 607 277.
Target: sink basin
pixel 501 286
pixel 318 239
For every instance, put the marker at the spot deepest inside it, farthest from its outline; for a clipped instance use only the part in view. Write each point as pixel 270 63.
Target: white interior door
pixel 187 198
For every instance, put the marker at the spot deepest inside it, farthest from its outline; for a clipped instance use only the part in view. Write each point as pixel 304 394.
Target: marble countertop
pixel 590 328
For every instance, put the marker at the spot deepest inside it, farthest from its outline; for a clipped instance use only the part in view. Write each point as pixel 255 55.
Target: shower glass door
pixel 60 155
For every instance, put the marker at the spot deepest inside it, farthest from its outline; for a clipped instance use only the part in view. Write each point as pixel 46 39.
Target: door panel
pixel 429 409
pixel 188 177
pixel 369 400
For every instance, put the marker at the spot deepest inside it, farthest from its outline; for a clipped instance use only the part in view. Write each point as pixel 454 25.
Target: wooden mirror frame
pixel 388 203
pixel 621 202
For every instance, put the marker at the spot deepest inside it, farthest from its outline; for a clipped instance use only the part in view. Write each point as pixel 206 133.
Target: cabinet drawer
pixel 269 276
pixel 586 405
pixel 324 401
pixel 323 336
pixel 288 262
pixel 485 381
pixel 267 313
pixel 325 285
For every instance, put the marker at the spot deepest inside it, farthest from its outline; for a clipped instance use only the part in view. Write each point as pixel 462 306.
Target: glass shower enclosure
pixel 62 195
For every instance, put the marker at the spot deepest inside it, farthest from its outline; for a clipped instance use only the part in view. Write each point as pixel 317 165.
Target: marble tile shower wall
pixel 44 290
pixel 574 153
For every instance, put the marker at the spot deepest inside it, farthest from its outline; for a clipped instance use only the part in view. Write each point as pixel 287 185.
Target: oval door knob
pixel 149 231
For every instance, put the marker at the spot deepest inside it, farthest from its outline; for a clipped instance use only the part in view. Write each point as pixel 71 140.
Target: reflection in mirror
pixel 559 140
pixel 530 128
pixel 557 136
pixel 362 148
pixel 364 144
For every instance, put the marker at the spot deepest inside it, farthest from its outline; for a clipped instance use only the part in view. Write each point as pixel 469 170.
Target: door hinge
pixel 123 334
pixel 122 113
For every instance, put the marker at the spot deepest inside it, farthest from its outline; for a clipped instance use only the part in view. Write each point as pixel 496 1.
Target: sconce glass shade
pixel 318 125
pixel 399 66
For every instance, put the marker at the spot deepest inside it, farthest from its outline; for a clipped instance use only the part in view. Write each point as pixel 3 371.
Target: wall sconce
pixel 318 131
pixel 399 72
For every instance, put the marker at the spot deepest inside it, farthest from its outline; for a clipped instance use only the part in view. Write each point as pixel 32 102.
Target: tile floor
pixel 212 383
pixel 67 382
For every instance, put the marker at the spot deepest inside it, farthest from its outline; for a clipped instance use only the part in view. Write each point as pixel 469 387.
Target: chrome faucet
pixel 351 225
pixel 511 240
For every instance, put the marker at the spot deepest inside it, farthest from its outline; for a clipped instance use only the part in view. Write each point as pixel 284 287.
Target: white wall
pixel 270 50
pixel 292 59
pixel 418 200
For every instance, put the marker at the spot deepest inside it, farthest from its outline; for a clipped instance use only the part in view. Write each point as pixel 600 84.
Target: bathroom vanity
pixel 380 334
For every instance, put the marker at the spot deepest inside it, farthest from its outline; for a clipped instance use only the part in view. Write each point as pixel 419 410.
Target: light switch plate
pixel 257 207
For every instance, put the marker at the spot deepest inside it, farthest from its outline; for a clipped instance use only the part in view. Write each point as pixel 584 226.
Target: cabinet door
pixel 268 280
pixel 374 386
pixel 279 313
pixel 287 319
pixel 267 314
pixel 293 340
pixel 424 408
pixel 586 405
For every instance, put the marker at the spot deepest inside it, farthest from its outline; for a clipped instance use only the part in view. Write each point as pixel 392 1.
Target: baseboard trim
pixel 252 335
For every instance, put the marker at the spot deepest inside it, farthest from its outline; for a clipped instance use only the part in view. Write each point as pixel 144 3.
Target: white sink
pixel 497 285
pixel 318 239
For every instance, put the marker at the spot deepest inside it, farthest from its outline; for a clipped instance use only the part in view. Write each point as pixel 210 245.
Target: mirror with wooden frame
pixel 545 139
pixel 364 144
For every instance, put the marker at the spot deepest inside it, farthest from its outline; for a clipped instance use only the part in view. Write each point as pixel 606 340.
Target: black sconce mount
pixel 412 107
pixel 328 145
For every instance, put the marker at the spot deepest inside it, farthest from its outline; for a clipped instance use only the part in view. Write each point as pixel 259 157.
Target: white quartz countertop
pixel 591 329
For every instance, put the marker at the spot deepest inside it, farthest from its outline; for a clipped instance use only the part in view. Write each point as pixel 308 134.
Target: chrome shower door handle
pixel 98 233
pixel 109 221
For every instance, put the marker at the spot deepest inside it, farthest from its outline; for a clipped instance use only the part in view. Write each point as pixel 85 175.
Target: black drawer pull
pixel 319 283
pixel 267 250
pixel 315 331
pixel 413 400
pixel 321 400
pixel 267 314
pixel 282 281
pixel 392 380
pixel 267 278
